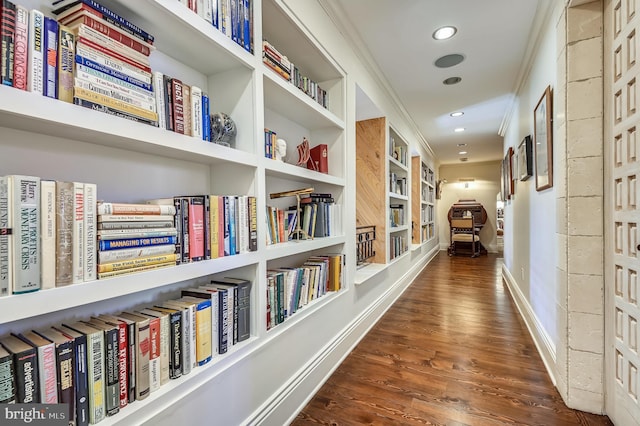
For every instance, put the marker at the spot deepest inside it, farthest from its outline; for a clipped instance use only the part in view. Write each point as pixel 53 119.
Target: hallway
pixel 452 350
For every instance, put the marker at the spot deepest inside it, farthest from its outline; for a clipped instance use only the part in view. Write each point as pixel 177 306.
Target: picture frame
pixel 543 141
pixel 507 175
pixel 525 158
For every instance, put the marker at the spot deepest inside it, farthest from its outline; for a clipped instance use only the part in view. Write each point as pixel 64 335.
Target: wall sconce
pixel 466 181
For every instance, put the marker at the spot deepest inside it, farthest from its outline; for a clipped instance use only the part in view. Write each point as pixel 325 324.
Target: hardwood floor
pixel 452 350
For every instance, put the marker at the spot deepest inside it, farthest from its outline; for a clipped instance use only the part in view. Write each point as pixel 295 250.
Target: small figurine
pixel 281 149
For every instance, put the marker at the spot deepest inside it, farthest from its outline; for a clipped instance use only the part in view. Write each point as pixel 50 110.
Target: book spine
pixel 77 230
pixel 233 228
pixel 227 224
pixel 113 18
pixel 21 48
pixel 215 14
pixel 253 223
pixel 158 90
pixel 123 366
pixel 7 31
pixel 113 111
pixel 95 367
pixel 134 263
pixel 196 229
pixel 132 357
pixel 206 120
pixel 66 43
pixel 168 101
pixel 177 97
pixel 96 38
pixel 98 66
pixel 112 32
pixel 223 321
pixel 7 381
pixel 215 326
pixel 214 219
pixel 35 73
pixel 136 209
pixel 105 245
pixel 196 112
pixel 66 386
pixel 26 370
pixel 103 275
pixel 94 76
pixel 243 225
pixel 203 332
pixel 48 234
pixel 116 234
pixel 80 374
pixel 47 373
pixel 164 349
pixel 6 237
pixel 110 61
pixel 50 63
pixel 184 210
pixel 142 364
pixel 113 256
pixel 175 341
pixel 89 236
pixel 186 105
pixel 207 227
pixel 186 341
pixel 154 354
pixel 26 255
pixel 108 101
pixel 115 93
pixel 112 376
pixel 135 225
pixel 99 49
pixel 193 337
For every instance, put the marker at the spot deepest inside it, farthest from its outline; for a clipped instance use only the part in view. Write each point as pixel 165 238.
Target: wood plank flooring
pixel 452 350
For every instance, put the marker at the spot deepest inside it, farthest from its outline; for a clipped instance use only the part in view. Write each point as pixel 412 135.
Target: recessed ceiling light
pixel 444 33
pixel 457 114
pixel 462 144
pixel 459 129
pixel 462 152
pixel 452 80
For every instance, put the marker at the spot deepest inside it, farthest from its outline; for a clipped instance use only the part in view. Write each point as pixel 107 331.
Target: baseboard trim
pixel 316 372
pixel 541 339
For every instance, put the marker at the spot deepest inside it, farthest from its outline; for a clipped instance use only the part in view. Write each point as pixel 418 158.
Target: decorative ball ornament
pixel 223 129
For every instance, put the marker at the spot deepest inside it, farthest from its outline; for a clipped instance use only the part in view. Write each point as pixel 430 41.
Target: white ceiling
pixel 494 36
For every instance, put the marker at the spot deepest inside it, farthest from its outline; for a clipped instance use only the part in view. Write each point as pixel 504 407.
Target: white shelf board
pixel 20 110
pixel 280 169
pixel 186 35
pixel 283 97
pixel 393 163
pixel 396 229
pixel 398 196
pixel 367 272
pixel 290 248
pixel 21 306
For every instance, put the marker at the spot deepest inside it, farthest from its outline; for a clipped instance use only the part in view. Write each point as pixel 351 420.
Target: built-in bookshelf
pixel 133 162
pixel 427 202
pixel 397 195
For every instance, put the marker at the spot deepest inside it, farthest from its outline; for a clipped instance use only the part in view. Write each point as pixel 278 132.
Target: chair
pixel 464 234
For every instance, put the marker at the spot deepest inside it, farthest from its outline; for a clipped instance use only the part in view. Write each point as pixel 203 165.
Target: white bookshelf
pixel 399 208
pixel 132 162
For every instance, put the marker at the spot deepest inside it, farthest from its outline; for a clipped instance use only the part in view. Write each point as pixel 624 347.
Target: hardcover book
pixel 64 233
pixel 154 351
pixel 47 376
pixel 25 363
pixel 35 57
pixel 111 363
pixel 123 362
pixel 26 241
pixel 21 48
pixel 142 353
pixel 6 236
pixel 66 62
pixel 77 230
pixel 243 297
pixel 7 381
pixel 89 237
pixel 196 228
pixel 131 358
pixel 164 347
pixel 188 333
pixel 7 33
pixel 203 328
pixel 175 340
pixel 48 233
pixel 212 295
pixel 50 58
pixel 177 98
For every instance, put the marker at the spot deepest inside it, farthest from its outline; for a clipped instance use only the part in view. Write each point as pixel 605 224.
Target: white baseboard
pixel 315 373
pixel 544 344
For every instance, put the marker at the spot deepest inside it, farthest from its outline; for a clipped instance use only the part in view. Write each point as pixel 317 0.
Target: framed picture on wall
pixel 507 175
pixel 525 158
pixel 543 141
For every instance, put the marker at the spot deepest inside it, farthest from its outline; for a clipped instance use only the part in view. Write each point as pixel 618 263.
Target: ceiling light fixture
pixel 462 152
pixel 452 80
pixel 462 144
pixel 444 33
pixel 457 114
pixel 459 129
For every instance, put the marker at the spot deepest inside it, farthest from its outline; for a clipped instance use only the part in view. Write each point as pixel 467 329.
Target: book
pixel 7 32
pixel 104 275
pixel 196 112
pixel 168 101
pixel 110 47
pixel 186 106
pixel 212 295
pixel 137 262
pixel 154 351
pixel 66 61
pixel 64 232
pixel 102 218
pixel 35 56
pixel 158 91
pixel 25 363
pixel 21 48
pixel 123 355
pixel 90 230
pixel 104 245
pixel 242 302
pixel 135 209
pixel 196 229
pixel 206 114
pixel 115 104
pixel 136 225
pixel 121 255
pixel 95 367
pixel 128 390
pixel 252 206
pixel 319 159
pixel 78 396
pixel 26 243
pixel 111 364
pixel 47 376
pixel 175 339
pixel 48 233
pixel 177 99
pixel 203 328
pixel 77 231
pixel 164 345
pixel 188 333
pixel 142 353
pixel 50 58
pixel 95 106
pixel 7 380
pixel 6 236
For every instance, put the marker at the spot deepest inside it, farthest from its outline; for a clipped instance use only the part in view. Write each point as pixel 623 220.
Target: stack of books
pixel 109 57
pixel 275 60
pixel 135 237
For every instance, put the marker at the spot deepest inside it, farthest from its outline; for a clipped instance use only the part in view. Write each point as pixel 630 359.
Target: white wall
pixel 484 189
pixel 530 247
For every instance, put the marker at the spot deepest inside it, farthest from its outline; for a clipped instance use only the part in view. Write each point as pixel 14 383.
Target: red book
pixel 177 96
pixel 20 48
pixel 319 161
pixel 109 30
pixel 196 229
pixel 100 48
pixel 7 32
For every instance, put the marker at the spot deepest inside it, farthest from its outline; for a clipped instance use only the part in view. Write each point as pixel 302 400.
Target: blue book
pixel 226 226
pixel 105 245
pixel 214 10
pixel 113 73
pixel 232 226
pixel 108 15
pixel 246 36
pixel 50 57
pixel 206 120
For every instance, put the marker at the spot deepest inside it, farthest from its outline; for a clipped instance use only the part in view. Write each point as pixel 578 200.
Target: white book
pixel 164 342
pixel 189 332
pixel 230 311
pixel 78 249
pixel 111 256
pixel 35 74
pixel 48 233
pixel 6 237
pixel 120 66
pixel 90 231
pixel 83 71
pixel 243 225
pixel 158 90
pixel 148 104
pixel 26 244
pixel 207 10
pixel 196 112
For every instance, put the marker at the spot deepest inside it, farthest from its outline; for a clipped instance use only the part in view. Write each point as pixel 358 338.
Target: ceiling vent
pixel 464 159
pixel 449 60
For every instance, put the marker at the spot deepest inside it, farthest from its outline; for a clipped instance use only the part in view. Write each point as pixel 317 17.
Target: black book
pixel 80 373
pixel 242 302
pixel 25 363
pixel 7 381
pixel 175 340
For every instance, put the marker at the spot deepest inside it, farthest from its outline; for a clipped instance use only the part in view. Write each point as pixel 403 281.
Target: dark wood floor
pixel 451 351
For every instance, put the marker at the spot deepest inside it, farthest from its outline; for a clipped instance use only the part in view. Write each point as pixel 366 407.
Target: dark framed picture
pixel 543 141
pixel 525 158
pixel 507 175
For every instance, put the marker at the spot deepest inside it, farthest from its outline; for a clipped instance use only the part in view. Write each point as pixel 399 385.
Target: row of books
pixel 397 245
pixel 397 184
pixel 289 289
pixel 396 215
pixel 316 218
pixel 279 63
pixel 398 151
pixel 234 18
pixel 99 365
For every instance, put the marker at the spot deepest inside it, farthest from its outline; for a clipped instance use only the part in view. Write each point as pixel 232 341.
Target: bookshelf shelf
pixel 369 271
pixel 395 196
pixel 290 248
pixel 279 169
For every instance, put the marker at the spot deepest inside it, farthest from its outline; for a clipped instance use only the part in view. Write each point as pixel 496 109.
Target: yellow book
pixel 102 275
pixel 203 328
pixel 214 225
pixel 138 262
pixel 110 102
